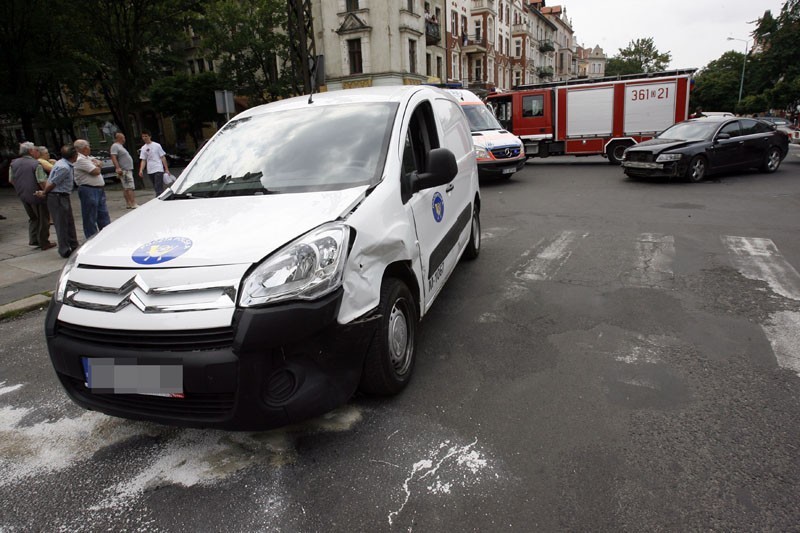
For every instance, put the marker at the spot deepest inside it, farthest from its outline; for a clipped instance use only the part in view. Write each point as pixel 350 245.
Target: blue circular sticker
pixel 438 207
pixel 161 250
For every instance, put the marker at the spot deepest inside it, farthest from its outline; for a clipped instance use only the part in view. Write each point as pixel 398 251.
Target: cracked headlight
pixel 306 269
pixel 664 158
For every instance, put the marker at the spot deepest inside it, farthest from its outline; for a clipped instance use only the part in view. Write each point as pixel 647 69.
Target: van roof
pixel 392 93
pixel 463 95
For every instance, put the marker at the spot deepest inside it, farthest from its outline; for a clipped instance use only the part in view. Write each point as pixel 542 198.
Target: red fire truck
pixel 592 117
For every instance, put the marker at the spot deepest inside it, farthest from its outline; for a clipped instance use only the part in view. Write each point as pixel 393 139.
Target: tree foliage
pixel 188 99
pixel 717 84
pixel 641 55
pixel 248 37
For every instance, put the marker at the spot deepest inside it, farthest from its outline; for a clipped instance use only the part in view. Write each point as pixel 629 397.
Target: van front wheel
pixel 392 353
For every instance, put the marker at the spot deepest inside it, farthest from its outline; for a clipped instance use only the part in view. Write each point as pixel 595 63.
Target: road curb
pixel 14 309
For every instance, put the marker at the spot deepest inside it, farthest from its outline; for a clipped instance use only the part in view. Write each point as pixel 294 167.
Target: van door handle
pixel 450 188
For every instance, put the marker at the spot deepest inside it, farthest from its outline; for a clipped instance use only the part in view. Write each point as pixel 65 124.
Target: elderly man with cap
pixel 57 190
pixel 25 173
pixel 94 210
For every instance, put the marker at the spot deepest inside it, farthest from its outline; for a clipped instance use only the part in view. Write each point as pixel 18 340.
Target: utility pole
pixel 300 30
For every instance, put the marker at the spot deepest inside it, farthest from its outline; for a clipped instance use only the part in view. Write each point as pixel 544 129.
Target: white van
pixel 500 153
pixel 288 266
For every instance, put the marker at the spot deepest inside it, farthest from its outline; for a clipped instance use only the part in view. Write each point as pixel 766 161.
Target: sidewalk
pixel 26 272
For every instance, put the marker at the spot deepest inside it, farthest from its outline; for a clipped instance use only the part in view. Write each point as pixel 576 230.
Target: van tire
pixel 474 245
pixel 392 353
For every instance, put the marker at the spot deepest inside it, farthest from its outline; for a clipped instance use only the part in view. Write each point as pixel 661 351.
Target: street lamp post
pixel 744 63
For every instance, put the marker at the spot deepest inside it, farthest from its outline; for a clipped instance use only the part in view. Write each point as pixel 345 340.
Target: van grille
pixel 200 407
pixel 182 340
pixel 506 152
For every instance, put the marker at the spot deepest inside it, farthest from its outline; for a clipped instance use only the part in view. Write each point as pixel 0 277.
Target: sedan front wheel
pixel 772 160
pixel 697 169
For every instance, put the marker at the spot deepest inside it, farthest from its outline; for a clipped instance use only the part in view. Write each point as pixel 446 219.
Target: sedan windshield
pixel 690 131
pixel 318 148
pixel 480 118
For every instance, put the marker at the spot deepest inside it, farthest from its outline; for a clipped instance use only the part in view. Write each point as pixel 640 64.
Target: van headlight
pixel 61 288
pixel 306 269
pixel 481 152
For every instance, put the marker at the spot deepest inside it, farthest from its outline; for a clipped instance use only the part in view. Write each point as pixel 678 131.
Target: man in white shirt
pixel 123 162
pixel 154 161
pixel 90 190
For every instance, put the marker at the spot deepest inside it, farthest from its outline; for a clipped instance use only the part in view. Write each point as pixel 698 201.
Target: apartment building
pixel 591 62
pixel 481 44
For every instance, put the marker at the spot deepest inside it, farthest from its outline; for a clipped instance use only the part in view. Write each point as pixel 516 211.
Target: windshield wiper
pixel 226 179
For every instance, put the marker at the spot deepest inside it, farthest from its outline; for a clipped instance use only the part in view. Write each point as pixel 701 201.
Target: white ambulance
pixel 500 153
pixel 287 267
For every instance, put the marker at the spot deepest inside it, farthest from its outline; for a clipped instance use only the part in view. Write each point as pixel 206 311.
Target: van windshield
pixel 480 118
pixel 318 148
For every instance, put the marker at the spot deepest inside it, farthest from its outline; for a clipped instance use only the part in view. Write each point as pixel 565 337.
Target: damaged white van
pixel 287 267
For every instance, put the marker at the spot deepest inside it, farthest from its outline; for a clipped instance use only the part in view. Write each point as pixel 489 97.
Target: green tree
pixel 129 43
pixel 641 55
pixel 717 84
pixel 779 81
pixel 249 37
pixel 188 99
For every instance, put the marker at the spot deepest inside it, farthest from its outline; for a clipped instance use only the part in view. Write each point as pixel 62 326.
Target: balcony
pixel 544 72
pixel 473 44
pixel 546 46
pixel 483 6
pixel 433 34
pixel 521 29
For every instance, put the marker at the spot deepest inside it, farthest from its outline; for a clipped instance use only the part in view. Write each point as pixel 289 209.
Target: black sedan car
pixel 699 147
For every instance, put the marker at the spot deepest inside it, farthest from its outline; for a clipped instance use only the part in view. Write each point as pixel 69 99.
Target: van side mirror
pixel 442 168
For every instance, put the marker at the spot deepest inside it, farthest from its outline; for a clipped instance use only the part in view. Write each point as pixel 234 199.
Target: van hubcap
pixel 398 340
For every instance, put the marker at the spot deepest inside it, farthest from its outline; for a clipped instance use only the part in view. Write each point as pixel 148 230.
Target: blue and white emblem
pixel 438 207
pixel 161 250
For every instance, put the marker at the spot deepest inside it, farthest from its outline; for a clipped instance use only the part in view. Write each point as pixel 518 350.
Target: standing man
pixel 24 174
pixel 123 162
pixel 94 210
pixel 57 191
pixel 154 160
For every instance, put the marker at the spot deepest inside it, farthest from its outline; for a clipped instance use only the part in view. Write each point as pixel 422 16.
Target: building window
pixel 201 65
pixel 410 5
pixel 454 23
pixel 412 56
pixel 454 66
pixel 478 70
pixel 439 67
pixel 477 30
pixel 210 66
pixel 351 5
pixel 191 66
pixel 517 48
pixel 517 77
pixel 428 64
pixel 354 54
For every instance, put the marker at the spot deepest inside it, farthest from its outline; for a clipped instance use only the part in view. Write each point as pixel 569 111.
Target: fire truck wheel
pixel 615 151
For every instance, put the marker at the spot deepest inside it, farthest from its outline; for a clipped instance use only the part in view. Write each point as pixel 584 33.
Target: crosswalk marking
pixel 653 263
pixel 759 259
pixel 547 263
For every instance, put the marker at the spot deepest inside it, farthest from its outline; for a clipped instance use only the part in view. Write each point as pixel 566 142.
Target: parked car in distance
pixel 698 147
pixel 108 171
pixel 785 126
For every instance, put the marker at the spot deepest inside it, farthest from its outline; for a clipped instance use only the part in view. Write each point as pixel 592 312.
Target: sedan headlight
pixel 664 158
pixel 481 152
pixel 306 269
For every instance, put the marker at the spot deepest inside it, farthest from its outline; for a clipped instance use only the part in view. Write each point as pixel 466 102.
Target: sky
pixel 693 31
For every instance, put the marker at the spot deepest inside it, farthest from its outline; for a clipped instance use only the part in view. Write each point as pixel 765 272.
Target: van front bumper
pixel 274 366
pixel 500 167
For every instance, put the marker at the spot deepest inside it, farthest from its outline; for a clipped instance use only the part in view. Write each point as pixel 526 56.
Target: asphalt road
pixel 623 355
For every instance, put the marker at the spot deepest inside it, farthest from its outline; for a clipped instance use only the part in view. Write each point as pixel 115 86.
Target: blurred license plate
pixel 509 170
pixel 127 376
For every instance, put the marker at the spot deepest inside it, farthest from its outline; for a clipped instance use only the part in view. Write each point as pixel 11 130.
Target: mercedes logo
pixel 507 152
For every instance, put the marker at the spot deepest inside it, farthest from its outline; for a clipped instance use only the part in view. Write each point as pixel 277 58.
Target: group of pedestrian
pixel 44 187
